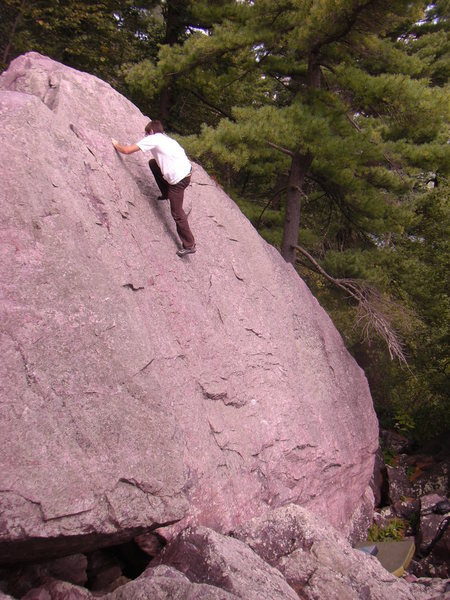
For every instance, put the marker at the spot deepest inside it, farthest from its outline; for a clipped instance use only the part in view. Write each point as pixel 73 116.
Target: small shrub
pixel 395 530
pixel 410 471
pixel 388 457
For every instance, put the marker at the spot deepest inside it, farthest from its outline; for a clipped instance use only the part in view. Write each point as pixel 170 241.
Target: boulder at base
pixel 285 554
pixel 137 388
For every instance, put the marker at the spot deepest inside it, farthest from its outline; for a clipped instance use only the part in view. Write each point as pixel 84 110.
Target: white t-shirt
pixel 169 155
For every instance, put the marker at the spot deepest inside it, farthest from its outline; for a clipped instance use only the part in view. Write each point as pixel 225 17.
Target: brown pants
pixel 175 193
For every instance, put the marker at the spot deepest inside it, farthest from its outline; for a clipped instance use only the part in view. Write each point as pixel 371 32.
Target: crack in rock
pixel 237 274
pixel 213 394
pixel 253 331
pixel 223 448
pixel 45 517
pixel 148 487
pixel 133 287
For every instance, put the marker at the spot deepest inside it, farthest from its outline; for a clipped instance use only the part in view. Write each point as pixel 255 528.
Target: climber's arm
pixel 124 149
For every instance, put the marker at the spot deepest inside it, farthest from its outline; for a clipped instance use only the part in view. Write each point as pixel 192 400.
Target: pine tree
pixel 429 40
pixel 345 102
pixel 97 37
pixel 183 104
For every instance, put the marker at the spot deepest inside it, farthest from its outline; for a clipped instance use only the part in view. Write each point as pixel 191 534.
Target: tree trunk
pixel 175 25
pixel 12 33
pixel 164 104
pixel 299 168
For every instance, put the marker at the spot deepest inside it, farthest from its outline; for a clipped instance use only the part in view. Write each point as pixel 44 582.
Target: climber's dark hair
pixel 155 126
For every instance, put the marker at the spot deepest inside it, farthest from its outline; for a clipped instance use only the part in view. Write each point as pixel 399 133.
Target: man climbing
pixel 172 171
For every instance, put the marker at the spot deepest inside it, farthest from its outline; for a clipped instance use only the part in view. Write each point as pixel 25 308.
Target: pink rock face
pixel 207 557
pixel 138 388
pixel 317 562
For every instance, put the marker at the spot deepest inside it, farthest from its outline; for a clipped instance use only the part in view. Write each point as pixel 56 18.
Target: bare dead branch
pixel 372 309
pixel 258 220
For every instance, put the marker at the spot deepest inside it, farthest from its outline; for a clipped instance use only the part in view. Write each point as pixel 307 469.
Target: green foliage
pixel 413 269
pixel 395 531
pixel 98 37
pixel 268 222
pixel 388 456
pixel 431 42
pixel 404 422
pixel 185 104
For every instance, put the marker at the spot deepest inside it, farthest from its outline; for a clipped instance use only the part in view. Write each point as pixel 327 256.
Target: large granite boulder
pixel 139 389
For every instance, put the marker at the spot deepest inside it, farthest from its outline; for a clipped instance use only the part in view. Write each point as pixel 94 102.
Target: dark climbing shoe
pixel 185 251
pixel 163 198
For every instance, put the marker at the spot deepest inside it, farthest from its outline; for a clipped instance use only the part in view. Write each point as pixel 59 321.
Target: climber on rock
pixel 172 171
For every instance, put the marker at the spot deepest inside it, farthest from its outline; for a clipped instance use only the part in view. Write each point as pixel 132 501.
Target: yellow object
pixel 394 556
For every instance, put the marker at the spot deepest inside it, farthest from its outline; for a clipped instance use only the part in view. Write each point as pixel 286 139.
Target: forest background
pixel 327 121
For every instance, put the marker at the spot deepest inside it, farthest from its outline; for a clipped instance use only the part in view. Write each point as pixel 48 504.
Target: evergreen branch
pixel 244 74
pixel 370 313
pixel 339 202
pixel 346 26
pixel 277 15
pixel 330 216
pixel 281 149
pixel 211 106
pixel 385 156
pixel 271 199
pixel 206 57
pixel 358 128
pixel 281 82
